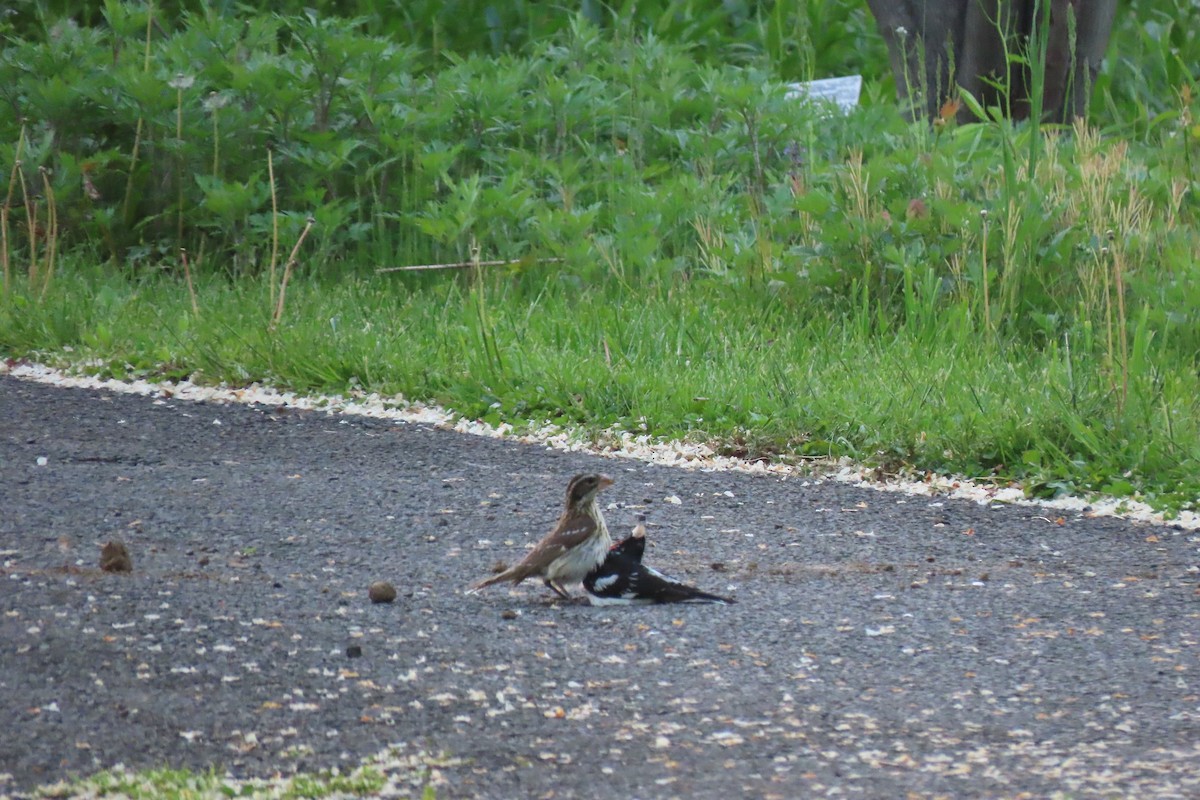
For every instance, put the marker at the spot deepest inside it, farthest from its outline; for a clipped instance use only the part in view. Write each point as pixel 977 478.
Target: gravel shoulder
pixel 881 644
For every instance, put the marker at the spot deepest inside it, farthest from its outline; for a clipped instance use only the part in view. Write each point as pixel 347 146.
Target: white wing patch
pixel 603 583
pixel 601 600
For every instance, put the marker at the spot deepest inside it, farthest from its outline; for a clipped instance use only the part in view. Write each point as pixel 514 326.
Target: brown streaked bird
pixel 578 543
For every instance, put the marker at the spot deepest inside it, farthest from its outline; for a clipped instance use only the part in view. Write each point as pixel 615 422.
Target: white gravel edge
pixel 615 443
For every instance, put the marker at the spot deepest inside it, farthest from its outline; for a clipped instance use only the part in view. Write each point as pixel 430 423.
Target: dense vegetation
pixel 694 250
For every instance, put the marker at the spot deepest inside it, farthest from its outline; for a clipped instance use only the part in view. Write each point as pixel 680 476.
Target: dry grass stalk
pixel 274 225
pixel 31 225
pixel 983 264
pixel 5 269
pixel 287 272
pixel 1128 216
pixel 1118 262
pixel 857 185
pixel 712 243
pixel 5 262
pixel 1010 275
pixel 187 275
pixel 51 231
pixel 468 264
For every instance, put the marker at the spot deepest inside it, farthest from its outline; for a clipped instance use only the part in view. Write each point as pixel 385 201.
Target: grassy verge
pixel 391 773
pixel 758 373
pixel 209 785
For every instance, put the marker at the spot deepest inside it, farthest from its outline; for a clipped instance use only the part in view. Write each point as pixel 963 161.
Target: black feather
pixel 623 578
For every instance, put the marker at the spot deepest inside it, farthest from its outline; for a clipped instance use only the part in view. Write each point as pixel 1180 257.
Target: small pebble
pixel 508 613
pixel 114 557
pixel 381 592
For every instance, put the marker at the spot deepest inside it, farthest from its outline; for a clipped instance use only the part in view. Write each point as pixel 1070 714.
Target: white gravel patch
pixel 613 443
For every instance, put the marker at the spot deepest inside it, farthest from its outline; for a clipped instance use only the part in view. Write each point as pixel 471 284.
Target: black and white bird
pixel 622 579
pixel 577 545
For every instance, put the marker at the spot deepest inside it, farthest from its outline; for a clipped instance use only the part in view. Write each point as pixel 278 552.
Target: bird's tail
pixel 698 596
pixel 682 593
pixel 514 574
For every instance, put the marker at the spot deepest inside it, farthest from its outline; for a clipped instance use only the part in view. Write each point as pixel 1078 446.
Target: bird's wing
pixel 621 579
pixel 614 581
pixel 649 582
pixel 570 532
pixel 661 575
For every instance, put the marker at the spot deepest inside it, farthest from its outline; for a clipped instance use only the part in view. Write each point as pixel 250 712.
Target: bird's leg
pixel 557 589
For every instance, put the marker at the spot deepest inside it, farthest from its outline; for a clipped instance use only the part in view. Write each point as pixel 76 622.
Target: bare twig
pixel 287 272
pixel 467 264
pixel 51 230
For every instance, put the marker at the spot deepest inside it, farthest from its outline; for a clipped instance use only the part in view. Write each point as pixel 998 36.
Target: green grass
pixel 759 373
pixel 697 254
pixel 395 772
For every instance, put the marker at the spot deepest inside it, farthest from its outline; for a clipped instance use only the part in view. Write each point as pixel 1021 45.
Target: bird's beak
pixel 605 481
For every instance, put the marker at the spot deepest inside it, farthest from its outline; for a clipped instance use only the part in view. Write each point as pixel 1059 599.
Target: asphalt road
pixel 881 646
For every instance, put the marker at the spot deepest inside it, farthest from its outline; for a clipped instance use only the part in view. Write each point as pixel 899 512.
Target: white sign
pixel 842 91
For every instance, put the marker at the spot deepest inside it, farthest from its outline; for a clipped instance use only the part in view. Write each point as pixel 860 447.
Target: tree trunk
pixel 934 45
